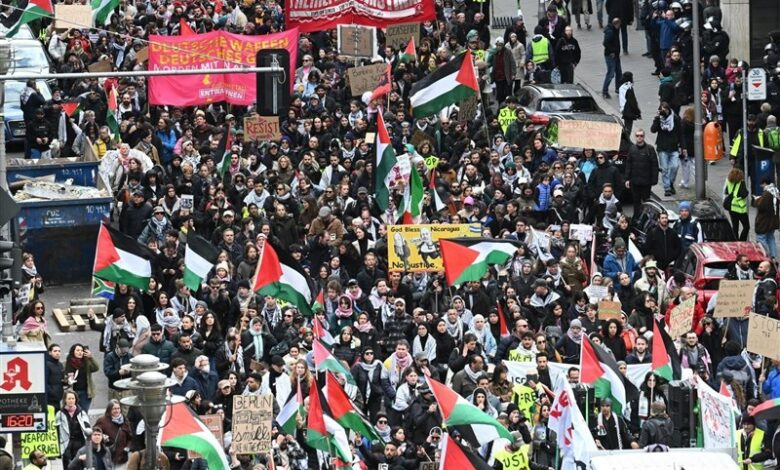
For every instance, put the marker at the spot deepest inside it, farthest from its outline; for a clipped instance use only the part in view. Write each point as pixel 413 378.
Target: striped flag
pixel 452 82
pixel 24 12
pixel 280 276
pixel 199 257
pixel 103 288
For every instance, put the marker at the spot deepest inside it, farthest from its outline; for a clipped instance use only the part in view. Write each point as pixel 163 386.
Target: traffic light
pixel 10 267
pixel 273 88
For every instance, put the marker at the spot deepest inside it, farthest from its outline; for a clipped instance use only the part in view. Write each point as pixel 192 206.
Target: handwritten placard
pixel 400 34
pixel 589 134
pixel 366 78
pixel 72 16
pixel 763 336
pixel 581 232
pixel 429 465
pixel 735 298
pixel 357 41
pixel 252 424
pixel 609 310
pixel 261 128
pixel 47 442
pixel 467 109
pixel 681 318
pixel 214 423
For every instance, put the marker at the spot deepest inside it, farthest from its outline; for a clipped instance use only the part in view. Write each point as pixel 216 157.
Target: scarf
pixel 455 329
pixel 667 123
pixel 76 362
pixel 397 366
pixel 744 275
pixel 119 420
pixel 576 337
pixel 600 420
pixel 71 410
pixel 369 369
pixel 257 341
pixel 342 312
pixel 364 327
pixel 472 375
pixel 31 272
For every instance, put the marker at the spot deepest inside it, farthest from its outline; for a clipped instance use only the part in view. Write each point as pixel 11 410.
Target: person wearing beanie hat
pixel 687 227
pixel 618 260
pixel 326 223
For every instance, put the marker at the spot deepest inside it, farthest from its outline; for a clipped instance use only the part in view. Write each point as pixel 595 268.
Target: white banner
pixel 716 417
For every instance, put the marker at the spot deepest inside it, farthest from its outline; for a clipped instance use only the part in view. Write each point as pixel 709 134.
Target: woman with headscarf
pixel 649 392
pixel 569 345
pixel 364 331
pixel 347 346
pixel 170 322
pixel 480 329
pixel 445 344
pixel 424 343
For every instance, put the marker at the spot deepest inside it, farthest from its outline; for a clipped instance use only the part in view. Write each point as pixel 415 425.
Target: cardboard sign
pixel 47 442
pixel 104 66
pixel 429 465
pixel 597 292
pixel 589 134
pixel 419 137
pixel 763 336
pixel 609 310
pixel 214 423
pixel 366 78
pixel 72 16
pixel 581 232
pixel 735 298
pixel 431 162
pixel 400 34
pixel 467 109
pixel 142 55
pixel 261 128
pixel 681 318
pixel 252 417
pixel 357 41
pixel 370 137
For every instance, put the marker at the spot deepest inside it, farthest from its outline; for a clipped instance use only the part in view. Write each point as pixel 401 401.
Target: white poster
pixel 716 417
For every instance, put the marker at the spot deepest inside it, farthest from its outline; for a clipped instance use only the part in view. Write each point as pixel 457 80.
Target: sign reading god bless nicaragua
pixel 318 15
pixel 214 50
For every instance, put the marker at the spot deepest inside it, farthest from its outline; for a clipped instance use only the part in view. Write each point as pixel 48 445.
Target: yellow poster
pixel 416 247
pixel 506 116
pixel 46 442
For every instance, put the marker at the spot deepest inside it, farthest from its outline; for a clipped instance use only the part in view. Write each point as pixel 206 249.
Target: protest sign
pixel 261 128
pixel 214 423
pixel 357 41
pixel 763 336
pixel 419 137
pixel 735 298
pixel 467 109
pixel 398 35
pixel 363 79
pixel 142 55
pixel 102 66
pixel 716 417
pixel 431 162
pixel 187 201
pixel 46 442
pixel 608 310
pixel 597 292
pixel 589 134
pixel 72 16
pixel 429 465
pixel 416 247
pixel 252 424
pixel 506 116
pixel 681 318
pixel 581 232
pixel 312 15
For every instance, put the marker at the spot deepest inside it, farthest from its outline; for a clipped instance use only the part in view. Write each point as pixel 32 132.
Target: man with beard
pixel 611 431
pixel 652 282
pixel 205 378
pixel 186 351
pixel 640 354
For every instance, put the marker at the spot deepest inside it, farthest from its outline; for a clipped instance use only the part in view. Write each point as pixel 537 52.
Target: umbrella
pixel 769 410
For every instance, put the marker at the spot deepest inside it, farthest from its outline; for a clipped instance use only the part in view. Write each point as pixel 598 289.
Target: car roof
pixel 549 90
pixel 726 252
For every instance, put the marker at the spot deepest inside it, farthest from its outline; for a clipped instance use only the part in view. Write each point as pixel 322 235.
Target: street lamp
pixel 150 389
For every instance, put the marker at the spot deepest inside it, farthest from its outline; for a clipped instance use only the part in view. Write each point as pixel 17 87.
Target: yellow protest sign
pixel 46 442
pixel 416 247
pixel 506 117
pixel 431 162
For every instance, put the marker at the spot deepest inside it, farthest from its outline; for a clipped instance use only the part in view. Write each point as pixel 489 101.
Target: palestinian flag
pixel 199 257
pixel 289 413
pixel 383 86
pixel 102 11
pixel 101 288
pixel 671 351
pixel 474 425
pixel 322 431
pixel 662 365
pixel 223 148
pixel 502 319
pixel 453 455
pixel 321 333
pixel 599 369
pixel 319 301
pixel 410 53
pixel 26 11
pixel 344 412
pixel 185 29
pixel 122 259
pixel 453 82
pixel 72 108
pixel 438 205
pixel 468 259
pixel 183 429
pixel 385 161
pixel 280 276
pixel 325 361
pixel 111 113
pixel 411 209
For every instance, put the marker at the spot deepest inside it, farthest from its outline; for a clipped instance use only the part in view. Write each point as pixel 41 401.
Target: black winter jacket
pixel 642 165
pixel 667 141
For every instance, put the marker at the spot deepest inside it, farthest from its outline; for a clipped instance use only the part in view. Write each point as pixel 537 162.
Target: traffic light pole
pixel 6 311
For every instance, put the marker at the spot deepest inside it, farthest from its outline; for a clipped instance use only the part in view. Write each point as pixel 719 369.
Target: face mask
pixel 205 369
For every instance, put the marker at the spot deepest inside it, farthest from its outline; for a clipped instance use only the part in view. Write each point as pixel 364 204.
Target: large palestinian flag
pixel 599 369
pixel 122 259
pixel 24 12
pixel 102 11
pixel 473 424
pixel 280 276
pixel 667 363
pixel 322 431
pixel 199 257
pixel 291 410
pixel 385 161
pixel 468 259
pixel 452 82
pixel 344 411
pixel 325 361
pixel 181 428
pixel 453 455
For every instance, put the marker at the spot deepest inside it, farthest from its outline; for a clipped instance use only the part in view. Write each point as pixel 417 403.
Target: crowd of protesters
pixel 312 194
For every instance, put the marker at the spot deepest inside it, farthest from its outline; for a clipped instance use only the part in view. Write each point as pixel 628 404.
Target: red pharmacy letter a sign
pixel 16 372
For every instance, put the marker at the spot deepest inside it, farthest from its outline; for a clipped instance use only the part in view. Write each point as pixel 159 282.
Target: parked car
pixel 29 56
pixel 712 217
pixel 14 118
pixel 24 32
pixel 705 264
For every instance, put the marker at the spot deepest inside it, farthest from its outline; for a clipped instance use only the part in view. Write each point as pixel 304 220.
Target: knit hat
pixel 576 323
pixel 619 243
pixel 324 211
pixel 685 205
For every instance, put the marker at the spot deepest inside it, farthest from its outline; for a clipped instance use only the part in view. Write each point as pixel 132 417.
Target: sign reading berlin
pixel 319 15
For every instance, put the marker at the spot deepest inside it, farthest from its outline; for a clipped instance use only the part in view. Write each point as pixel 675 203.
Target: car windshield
pixel 568 105
pixel 29 56
pixel 717 230
pixel 13 91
